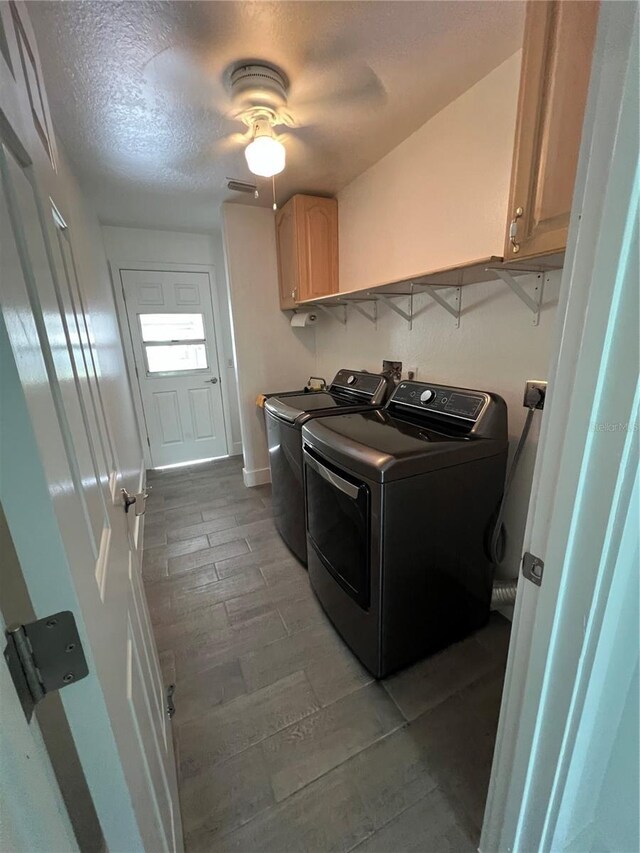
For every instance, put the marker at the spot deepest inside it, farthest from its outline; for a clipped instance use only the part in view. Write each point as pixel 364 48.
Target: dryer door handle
pixel 344 486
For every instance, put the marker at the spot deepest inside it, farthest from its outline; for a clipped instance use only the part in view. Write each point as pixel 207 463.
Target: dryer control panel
pixel 437 399
pixel 371 386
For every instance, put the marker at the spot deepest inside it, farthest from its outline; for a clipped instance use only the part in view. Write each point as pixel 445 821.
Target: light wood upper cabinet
pixel 556 64
pixel 307 242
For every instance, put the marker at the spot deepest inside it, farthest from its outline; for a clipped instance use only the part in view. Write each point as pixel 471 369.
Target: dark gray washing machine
pixel 285 414
pixel 400 503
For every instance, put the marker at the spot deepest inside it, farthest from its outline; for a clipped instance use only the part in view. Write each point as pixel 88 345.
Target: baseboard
pixel 236 449
pixel 256 478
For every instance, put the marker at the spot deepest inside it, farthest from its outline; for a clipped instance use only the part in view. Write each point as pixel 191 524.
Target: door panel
pixel 168 416
pixel 176 364
pixel 77 347
pixel 49 335
pixel 318 235
pixel 157 806
pixel 81 318
pixel 39 278
pixel 201 413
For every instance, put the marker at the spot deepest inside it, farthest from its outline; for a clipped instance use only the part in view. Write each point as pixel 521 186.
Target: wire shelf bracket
pixel 454 307
pixel 405 316
pixel 534 302
pixel 340 317
pixel 371 317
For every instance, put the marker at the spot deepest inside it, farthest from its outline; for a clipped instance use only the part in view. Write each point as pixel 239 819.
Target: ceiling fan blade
pixel 197 163
pixel 340 88
pixel 176 73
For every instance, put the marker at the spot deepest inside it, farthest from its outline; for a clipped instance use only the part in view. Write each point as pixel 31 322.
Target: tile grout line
pixel 317 710
pixel 428 793
pixel 317 779
pixel 390 695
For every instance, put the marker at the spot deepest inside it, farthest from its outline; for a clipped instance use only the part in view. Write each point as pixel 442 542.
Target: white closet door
pixel 47 329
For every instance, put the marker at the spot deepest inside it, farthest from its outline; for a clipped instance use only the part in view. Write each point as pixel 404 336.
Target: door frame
pixel 116 268
pixel 564 632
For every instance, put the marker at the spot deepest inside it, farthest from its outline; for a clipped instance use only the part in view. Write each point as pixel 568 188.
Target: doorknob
pixel 213 381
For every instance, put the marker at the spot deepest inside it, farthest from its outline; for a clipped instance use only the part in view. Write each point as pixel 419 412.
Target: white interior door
pixel 56 369
pixel 173 334
pixel 565 769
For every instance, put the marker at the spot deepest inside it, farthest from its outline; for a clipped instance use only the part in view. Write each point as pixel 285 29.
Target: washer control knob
pixel 351 379
pixel 427 395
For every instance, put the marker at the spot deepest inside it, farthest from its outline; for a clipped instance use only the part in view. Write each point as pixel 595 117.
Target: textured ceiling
pixel 138 102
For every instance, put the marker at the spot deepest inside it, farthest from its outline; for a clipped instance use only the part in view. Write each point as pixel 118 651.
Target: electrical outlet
pixel 392 367
pixel 534 393
pixel 412 373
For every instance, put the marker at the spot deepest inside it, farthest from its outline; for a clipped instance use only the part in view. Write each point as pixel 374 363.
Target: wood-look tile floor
pixel 284 742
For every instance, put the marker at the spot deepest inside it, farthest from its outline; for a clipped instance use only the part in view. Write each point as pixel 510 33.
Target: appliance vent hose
pixel 503 593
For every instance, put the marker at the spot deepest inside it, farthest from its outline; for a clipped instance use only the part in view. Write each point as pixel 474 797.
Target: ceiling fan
pixel 260 95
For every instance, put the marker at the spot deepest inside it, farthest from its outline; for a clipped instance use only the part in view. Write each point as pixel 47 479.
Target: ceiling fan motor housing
pixel 255 86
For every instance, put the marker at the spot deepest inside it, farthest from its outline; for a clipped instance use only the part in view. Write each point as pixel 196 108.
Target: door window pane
pixel 172 327
pixel 172 357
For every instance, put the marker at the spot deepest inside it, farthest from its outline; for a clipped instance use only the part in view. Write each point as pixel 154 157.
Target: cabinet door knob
pixel 513 230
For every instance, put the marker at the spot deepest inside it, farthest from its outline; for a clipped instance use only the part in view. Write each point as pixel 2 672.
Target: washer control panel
pixel 356 380
pixel 454 402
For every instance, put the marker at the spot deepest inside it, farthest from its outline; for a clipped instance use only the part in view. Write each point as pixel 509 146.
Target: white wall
pixel 440 198
pixel 496 349
pixel 141 245
pixel 271 356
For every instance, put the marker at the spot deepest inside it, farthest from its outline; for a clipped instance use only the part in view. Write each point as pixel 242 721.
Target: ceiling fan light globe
pixel 265 156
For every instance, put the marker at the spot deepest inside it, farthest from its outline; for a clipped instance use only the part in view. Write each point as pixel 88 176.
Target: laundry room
pixel 319 460
pixel 427 212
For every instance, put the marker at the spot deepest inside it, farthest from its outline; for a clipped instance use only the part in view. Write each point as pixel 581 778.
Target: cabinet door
pixel 286 240
pixel 556 64
pixel 317 220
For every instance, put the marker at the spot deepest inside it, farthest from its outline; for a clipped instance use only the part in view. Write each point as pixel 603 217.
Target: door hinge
pixel 532 568
pixel 149 442
pixel 44 655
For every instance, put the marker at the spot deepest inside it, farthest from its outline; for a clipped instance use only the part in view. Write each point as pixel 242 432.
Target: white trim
pixel 257 477
pixel 123 323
